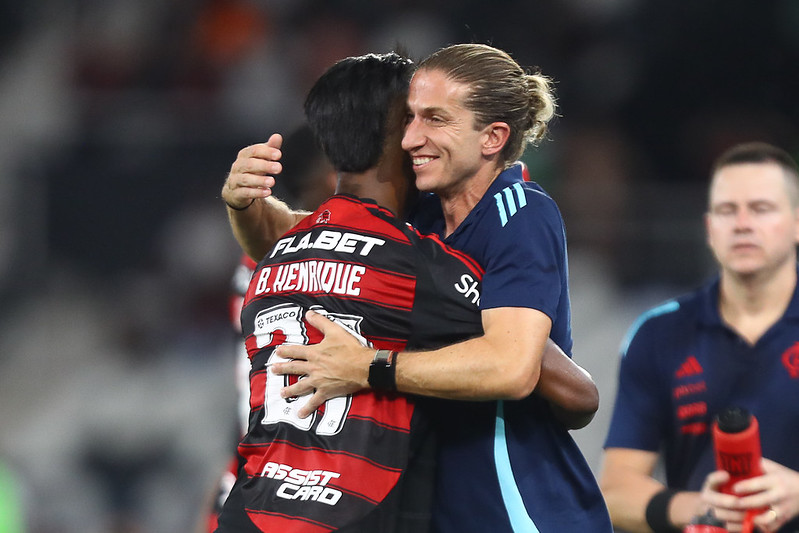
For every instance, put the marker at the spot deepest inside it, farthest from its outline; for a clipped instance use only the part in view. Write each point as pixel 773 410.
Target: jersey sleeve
pixel 525 263
pixel 446 307
pixel 641 411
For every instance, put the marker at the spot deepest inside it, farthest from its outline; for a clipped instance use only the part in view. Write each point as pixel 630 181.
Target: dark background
pixel 120 118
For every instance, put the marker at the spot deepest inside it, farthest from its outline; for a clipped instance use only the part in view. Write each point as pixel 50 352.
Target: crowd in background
pixel 120 119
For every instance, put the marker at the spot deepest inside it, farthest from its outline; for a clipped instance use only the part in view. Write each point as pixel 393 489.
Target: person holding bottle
pixel 733 342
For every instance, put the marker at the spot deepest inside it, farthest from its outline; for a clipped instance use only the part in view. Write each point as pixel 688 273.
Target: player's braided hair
pixel 499 91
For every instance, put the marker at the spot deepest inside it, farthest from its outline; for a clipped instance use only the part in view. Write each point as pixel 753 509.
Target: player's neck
pixel 752 304
pixel 385 191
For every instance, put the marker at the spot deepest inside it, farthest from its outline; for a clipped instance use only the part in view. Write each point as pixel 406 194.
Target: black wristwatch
pixel 383 371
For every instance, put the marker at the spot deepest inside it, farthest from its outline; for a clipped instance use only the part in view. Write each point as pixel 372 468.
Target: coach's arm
pixel 256 217
pixel 503 363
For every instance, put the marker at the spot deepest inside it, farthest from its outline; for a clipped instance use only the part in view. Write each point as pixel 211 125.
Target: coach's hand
pixel 252 173
pixel 337 366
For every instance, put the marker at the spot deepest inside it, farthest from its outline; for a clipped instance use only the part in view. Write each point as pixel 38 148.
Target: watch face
pixel 382 357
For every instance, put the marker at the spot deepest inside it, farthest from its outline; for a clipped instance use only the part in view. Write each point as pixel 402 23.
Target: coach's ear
pixel 494 138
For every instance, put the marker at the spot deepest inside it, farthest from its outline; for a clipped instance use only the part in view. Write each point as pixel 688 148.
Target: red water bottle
pixel 706 523
pixel 736 438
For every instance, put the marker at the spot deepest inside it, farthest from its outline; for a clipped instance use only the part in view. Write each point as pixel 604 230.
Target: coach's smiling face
pixel 440 134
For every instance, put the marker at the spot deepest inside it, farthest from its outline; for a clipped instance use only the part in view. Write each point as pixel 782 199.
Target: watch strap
pixel 382 371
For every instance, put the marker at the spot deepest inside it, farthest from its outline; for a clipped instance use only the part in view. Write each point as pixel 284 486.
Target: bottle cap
pixel 733 420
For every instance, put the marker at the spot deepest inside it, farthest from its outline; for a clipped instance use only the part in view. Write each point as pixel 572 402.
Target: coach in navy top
pixel 525 472
pixel 505 465
pixel 732 343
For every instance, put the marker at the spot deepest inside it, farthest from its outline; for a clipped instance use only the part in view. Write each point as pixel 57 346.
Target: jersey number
pixel 283 324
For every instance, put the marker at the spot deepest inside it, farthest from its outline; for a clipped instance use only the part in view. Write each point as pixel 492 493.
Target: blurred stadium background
pixel 119 120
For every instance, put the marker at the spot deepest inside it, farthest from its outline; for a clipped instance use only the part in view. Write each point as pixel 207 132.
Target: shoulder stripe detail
pixel 668 307
pixel 507 205
pixel 466 259
pixel 519 519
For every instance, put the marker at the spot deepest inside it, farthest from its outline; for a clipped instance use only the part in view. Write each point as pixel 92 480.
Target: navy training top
pixel 509 466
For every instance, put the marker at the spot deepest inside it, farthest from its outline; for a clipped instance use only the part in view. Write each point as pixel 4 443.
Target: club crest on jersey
pixel 324 217
pixel 790 360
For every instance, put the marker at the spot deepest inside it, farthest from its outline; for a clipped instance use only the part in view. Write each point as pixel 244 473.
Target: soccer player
pixel 355 262
pixel 731 343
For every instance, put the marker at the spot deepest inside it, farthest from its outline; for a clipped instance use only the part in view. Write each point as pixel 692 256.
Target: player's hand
pixel 252 174
pixel 337 366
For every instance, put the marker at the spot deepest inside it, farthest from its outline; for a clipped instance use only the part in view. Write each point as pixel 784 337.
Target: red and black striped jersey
pixel 346 466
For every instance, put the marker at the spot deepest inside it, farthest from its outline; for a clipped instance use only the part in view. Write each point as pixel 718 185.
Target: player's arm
pixel 572 394
pixel 256 217
pixel 628 487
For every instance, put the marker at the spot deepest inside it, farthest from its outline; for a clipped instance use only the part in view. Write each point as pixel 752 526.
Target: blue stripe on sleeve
pixel 668 307
pixel 503 217
pixel 520 194
pixel 510 201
